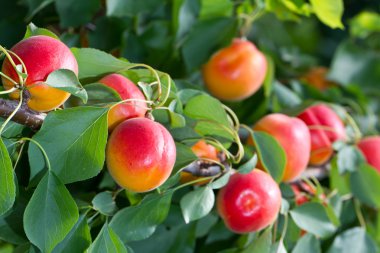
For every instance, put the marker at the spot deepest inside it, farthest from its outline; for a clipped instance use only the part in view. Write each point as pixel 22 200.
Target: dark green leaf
pixel 197 204
pixel 313 218
pixel 7 181
pixel 93 62
pixel 353 240
pixel 307 243
pixel 75 13
pixel 104 203
pixel 272 155
pixel 122 8
pixel 107 241
pixel 74 140
pixel 365 185
pixel 50 214
pixel 261 244
pixel 139 222
pixel 78 239
pixel 66 80
pixel 35 6
pixel 184 157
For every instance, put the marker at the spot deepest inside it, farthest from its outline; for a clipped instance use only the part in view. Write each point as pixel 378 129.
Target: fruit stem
pixel 195 181
pixel 8 91
pixel 8 78
pixel 13 63
pixel 352 123
pixel 12 114
pixel 359 214
pixel 19 155
pixel 41 148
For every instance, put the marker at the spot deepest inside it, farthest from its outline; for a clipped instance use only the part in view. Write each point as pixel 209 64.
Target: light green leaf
pixel 329 12
pixel 50 214
pixel 66 80
pixel 107 241
pixel 307 243
pixel 197 204
pixel 139 222
pixel 365 185
pixel 32 30
pixel 353 240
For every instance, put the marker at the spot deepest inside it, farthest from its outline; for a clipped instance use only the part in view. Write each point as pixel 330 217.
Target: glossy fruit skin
pixel 321 140
pixel 41 56
pixel 235 72
pixel 249 202
pixel 370 147
pixel 293 135
pixel 127 90
pixel 202 150
pixel 140 154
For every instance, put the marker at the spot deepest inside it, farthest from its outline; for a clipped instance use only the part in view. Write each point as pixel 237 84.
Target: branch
pixel 24 116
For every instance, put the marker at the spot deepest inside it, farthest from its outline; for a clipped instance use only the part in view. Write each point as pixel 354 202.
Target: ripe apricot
pixel 316 77
pixel 127 90
pixel 140 154
pixel 41 56
pixel 325 128
pixel 202 150
pixel 294 137
pixel 235 72
pixel 249 202
pixel 370 147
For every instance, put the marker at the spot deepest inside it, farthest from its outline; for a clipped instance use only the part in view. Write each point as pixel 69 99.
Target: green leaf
pixel 207 30
pixel 66 80
pixel 329 12
pixel 7 181
pixel 197 204
pixel 338 181
pixel 184 157
pixel 364 24
pixel 272 155
pixel 349 158
pixel 222 181
pixel 211 116
pixel 107 241
pixel 176 119
pixel 313 218
pixel 261 244
pixel 35 6
pixel 139 222
pixel 104 203
pixel 278 247
pixel 285 97
pixel 215 9
pixel 32 30
pixel 357 65
pixel 76 13
pixel 352 241
pixel 307 243
pixel 50 214
pixel 122 8
pixel 74 140
pixel 94 63
pixel 77 240
pixel 248 166
pixel 365 185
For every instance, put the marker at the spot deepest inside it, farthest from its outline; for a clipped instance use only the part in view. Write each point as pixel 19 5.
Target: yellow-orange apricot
pixel 235 72
pixel 127 90
pixel 140 154
pixel 41 56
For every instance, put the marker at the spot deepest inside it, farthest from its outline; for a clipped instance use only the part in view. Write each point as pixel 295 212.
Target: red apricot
pixel 293 135
pixel 235 72
pixel 325 128
pixel 127 90
pixel 249 202
pixel 140 154
pixel 41 56
pixel 370 147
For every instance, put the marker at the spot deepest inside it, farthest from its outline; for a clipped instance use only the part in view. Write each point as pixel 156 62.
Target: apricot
pixel 317 77
pixel 140 154
pixel 41 56
pixel 325 128
pixel 202 150
pixel 127 90
pixel 249 202
pixel 235 72
pixel 294 137
pixel 370 147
